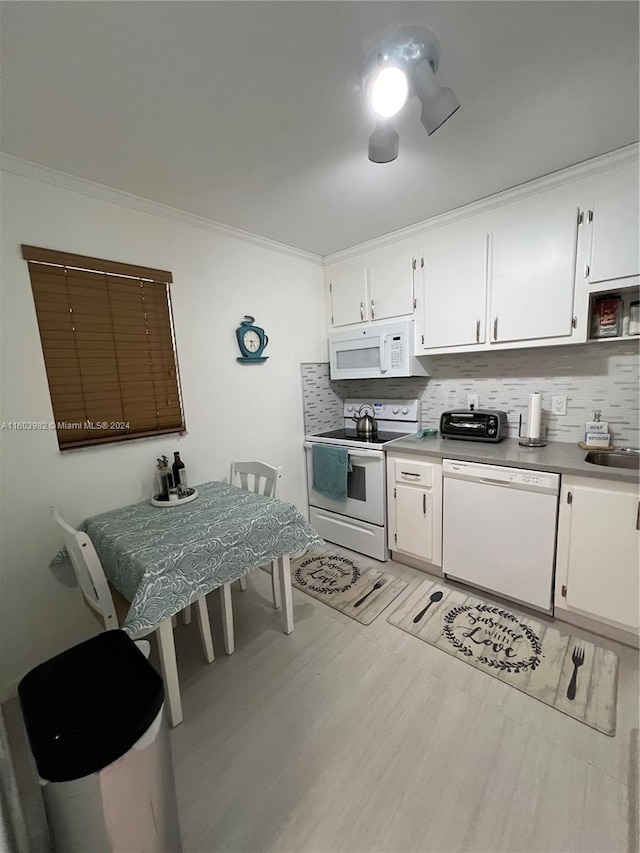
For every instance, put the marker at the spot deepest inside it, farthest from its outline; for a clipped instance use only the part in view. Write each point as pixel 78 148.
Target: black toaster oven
pixel 480 425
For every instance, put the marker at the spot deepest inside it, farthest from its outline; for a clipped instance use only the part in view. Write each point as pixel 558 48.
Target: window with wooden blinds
pixel 109 349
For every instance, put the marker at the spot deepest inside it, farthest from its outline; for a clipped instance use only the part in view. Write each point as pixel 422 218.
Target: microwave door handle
pixel 384 354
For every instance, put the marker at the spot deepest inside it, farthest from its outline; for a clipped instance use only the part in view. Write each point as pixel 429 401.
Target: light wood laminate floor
pixel 347 738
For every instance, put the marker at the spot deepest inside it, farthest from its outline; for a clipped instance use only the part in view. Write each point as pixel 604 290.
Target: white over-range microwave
pixel 376 351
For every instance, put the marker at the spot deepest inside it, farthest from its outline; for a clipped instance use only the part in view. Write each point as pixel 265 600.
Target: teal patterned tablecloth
pixel 162 559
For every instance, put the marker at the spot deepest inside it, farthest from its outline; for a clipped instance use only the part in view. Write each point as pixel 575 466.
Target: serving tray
pixel 158 500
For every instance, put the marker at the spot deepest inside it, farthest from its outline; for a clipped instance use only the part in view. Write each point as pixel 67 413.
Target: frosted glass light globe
pixel 389 91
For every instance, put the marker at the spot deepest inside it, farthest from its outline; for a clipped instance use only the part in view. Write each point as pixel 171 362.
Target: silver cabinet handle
pixel 373 316
pixel 362 310
pixel 495 328
pixel 477 331
pixel 409 474
pixel 424 503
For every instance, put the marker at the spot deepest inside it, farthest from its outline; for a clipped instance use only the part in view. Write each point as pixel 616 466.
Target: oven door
pixel 365 487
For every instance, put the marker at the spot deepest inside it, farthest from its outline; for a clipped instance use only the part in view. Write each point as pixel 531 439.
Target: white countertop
pixel 557 456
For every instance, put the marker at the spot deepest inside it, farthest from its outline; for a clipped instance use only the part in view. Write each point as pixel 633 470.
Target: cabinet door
pixel 614 238
pixel 603 577
pixel 455 285
pixel 390 283
pixel 414 521
pixel 348 295
pixel 533 256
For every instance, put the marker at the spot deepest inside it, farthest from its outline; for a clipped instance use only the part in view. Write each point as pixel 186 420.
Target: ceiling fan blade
pixel 383 143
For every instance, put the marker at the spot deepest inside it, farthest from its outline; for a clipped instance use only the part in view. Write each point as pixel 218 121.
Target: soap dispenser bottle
pixel 164 478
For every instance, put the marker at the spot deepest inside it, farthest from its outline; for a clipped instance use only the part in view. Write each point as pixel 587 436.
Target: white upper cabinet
pixel 453 268
pixel 377 285
pixel 515 270
pixel 349 294
pixel 391 289
pixel 532 269
pixel 614 238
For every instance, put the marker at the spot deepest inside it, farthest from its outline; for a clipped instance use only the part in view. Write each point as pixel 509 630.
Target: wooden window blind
pixel 109 349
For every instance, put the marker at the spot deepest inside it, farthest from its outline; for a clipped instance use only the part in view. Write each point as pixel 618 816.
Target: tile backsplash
pixel 600 376
pixel 321 398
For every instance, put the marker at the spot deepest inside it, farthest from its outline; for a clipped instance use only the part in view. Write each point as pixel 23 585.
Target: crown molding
pixel 46 175
pixel 596 165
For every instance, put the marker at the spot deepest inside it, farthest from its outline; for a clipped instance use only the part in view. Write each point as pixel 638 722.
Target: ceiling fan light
pixel 383 144
pixel 389 91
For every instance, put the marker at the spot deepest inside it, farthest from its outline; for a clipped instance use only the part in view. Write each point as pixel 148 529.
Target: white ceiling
pixel 250 113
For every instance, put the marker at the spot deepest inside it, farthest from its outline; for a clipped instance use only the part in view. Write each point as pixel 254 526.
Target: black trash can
pixel 95 720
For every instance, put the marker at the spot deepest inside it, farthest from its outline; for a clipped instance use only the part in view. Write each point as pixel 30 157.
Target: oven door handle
pixel 355 454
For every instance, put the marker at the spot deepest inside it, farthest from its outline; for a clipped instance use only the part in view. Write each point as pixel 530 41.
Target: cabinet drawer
pixel 408 471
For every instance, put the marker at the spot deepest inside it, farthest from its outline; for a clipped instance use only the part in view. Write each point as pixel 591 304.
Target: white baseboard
pixel 416 563
pixel 627 638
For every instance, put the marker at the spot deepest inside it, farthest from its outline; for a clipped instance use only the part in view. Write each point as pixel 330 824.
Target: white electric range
pixel 360 522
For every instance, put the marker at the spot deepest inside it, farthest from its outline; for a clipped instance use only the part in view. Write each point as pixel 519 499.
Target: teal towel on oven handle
pixel 330 468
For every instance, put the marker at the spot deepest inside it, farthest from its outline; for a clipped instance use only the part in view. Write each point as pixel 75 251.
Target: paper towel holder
pixel 525 441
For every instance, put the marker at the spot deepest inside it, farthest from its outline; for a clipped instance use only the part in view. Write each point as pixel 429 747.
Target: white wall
pixel 231 410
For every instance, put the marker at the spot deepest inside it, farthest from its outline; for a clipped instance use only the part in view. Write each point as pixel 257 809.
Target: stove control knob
pixel 405 410
pixel 349 408
pixel 395 410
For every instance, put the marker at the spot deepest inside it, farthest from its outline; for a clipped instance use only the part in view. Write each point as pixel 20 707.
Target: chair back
pixel 255 477
pixel 89 572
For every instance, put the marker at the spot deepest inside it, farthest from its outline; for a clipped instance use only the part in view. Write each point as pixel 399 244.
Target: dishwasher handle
pixel 489 482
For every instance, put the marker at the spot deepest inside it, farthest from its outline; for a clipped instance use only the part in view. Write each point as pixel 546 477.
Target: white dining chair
pixel 110 608
pixel 262 479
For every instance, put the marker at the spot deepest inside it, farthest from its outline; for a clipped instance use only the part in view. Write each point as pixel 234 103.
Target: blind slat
pixel 53 256
pixel 72 444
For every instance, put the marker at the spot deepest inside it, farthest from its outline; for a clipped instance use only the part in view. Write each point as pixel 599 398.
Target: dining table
pixel 163 559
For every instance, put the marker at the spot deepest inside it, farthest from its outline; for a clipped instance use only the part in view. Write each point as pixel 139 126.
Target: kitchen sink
pixel 614 460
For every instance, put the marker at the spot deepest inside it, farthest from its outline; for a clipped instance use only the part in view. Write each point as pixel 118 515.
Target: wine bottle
pixel 179 472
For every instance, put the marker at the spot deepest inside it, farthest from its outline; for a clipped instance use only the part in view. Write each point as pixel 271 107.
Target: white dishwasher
pixel 499 530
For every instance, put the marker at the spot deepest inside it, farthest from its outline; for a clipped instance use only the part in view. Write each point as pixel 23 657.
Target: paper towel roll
pixel 535 415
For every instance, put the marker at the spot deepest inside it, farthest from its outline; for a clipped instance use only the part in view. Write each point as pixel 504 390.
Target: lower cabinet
pixel 414 489
pixel 597 572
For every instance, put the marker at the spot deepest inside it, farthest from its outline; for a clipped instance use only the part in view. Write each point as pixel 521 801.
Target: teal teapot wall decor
pixel 252 340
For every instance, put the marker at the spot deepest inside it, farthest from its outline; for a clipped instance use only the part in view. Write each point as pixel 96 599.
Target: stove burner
pixel 352 435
